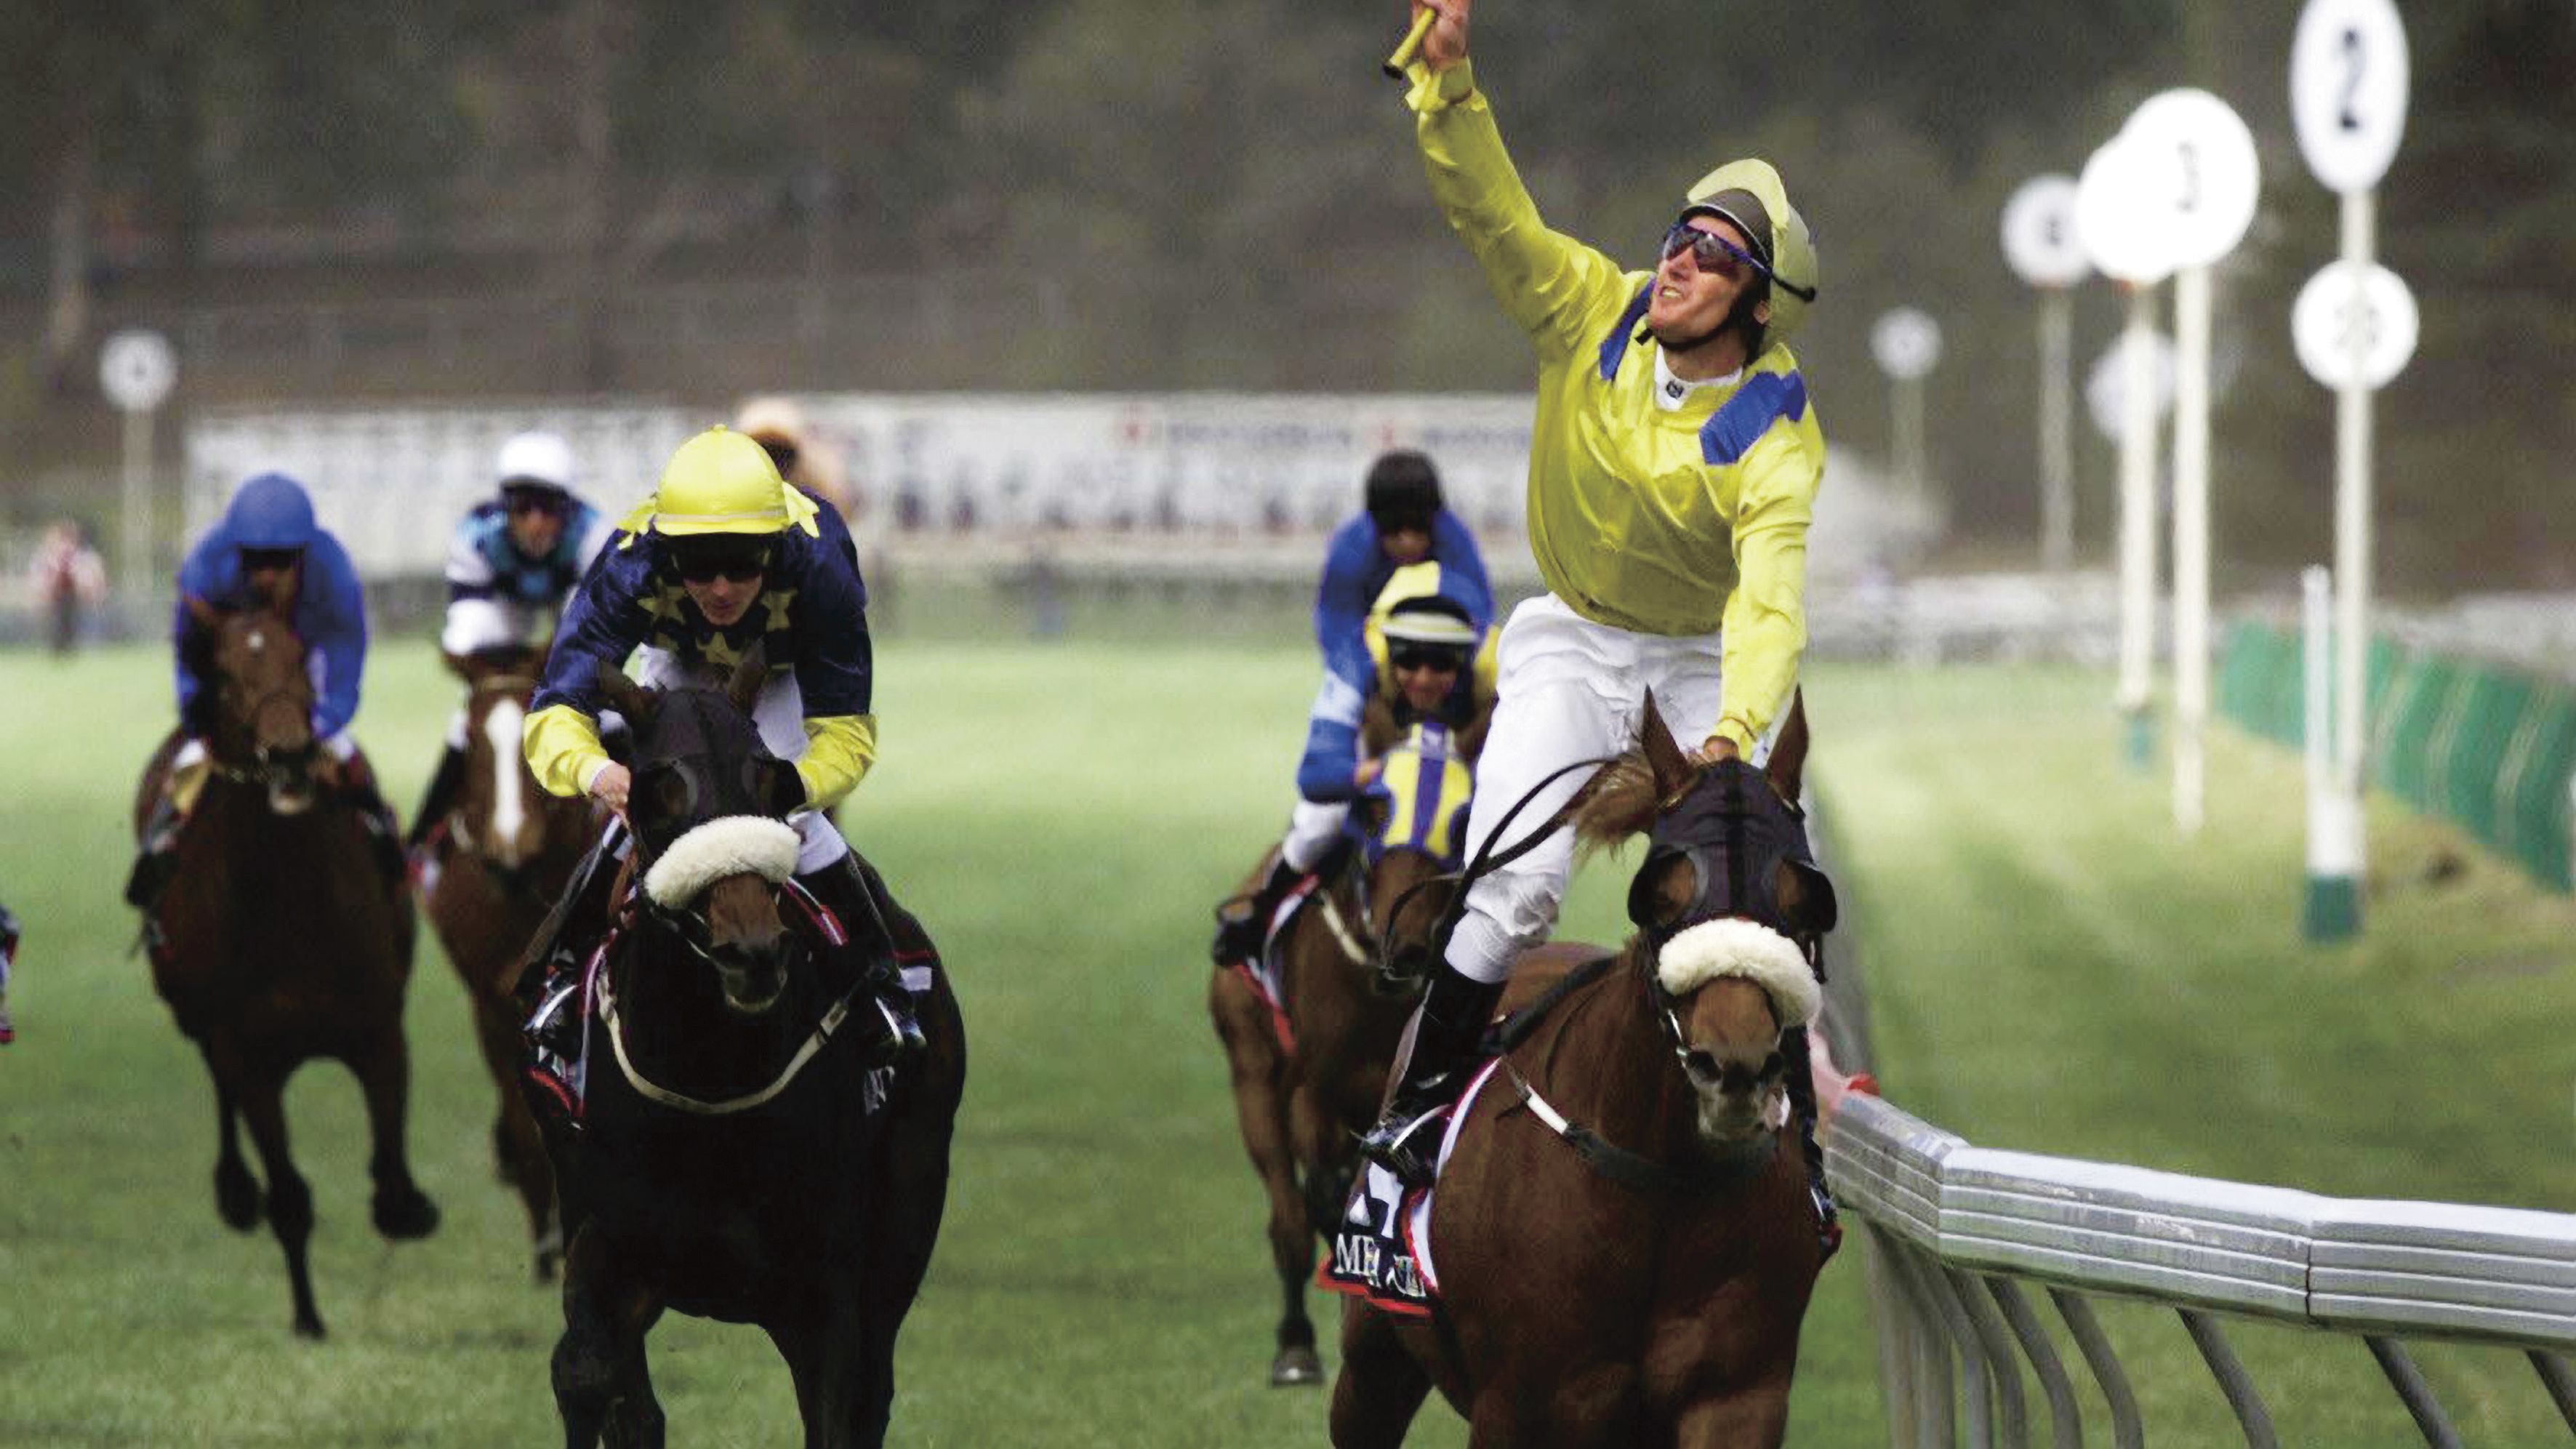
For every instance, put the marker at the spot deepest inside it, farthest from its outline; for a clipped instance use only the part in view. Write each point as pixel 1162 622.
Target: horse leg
pixel 602 1384
pixel 290 1201
pixel 401 1209
pixel 1381 1386
pixel 236 1191
pixel 515 1142
pixel 1258 1070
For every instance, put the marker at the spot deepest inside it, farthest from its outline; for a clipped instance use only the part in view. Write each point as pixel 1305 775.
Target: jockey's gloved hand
pixel 786 790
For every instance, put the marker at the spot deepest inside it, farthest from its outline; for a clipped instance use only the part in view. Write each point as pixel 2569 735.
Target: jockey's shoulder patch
pixel 1740 422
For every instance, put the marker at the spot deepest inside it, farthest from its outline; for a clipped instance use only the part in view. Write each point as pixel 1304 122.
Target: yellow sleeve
pixel 1550 284
pixel 838 750
pixel 1766 616
pixel 563 750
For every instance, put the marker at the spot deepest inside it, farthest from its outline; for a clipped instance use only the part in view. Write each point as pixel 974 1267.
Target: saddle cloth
pixel 1381 1249
pixel 1262 973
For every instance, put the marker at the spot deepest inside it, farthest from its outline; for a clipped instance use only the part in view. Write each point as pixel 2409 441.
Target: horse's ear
pixel 743 685
pixel 204 615
pixel 1672 769
pixel 1787 766
pixel 460 665
pixel 624 695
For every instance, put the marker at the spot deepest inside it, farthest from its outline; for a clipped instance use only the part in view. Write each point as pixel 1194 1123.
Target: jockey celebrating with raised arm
pixel 1403 525
pixel 722 559
pixel 268 550
pixel 1674 462
pixel 512 561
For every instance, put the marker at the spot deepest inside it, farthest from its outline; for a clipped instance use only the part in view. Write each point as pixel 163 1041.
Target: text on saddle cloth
pixel 1381 1249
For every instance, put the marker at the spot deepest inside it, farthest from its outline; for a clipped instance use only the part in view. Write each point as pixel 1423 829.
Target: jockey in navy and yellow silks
pixel 268 548
pixel 1674 461
pixel 1414 619
pixel 722 559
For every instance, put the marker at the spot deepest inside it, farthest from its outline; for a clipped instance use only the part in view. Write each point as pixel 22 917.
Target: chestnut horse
pixel 1635 1271
pixel 731 1161
pixel 506 850
pixel 1309 1068
pixel 278 940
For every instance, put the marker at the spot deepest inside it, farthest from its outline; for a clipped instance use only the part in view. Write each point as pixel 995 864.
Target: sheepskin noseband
pixel 728 845
pixel 1733 946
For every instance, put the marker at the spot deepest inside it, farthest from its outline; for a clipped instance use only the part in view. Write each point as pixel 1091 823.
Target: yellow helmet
pixel 722 482
pixel 1779 235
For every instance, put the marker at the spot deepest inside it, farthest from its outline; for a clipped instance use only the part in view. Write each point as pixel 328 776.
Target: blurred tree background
pixel 594 196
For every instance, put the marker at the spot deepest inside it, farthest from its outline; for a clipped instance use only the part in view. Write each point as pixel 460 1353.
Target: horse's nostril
pixel 1702 1065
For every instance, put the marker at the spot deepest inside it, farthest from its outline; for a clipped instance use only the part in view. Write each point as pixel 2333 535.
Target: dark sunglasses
pixel 734 565
pixel 1425 656
pixel 534 500
pixel 1713 253
pixel 255 560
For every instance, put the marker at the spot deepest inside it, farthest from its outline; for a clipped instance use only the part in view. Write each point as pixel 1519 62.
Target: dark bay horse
pixel 1644 1287
pixel 1308 1049
pixel 506 850
pixel 730 1161
pixel 278 941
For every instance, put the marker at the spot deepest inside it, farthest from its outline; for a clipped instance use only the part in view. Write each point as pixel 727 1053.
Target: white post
pixel 2191 542
pixel 2352 520
pixel 134 547
pixel 2137 520
pixel 1910 448
pixel 2056 447
pixel 2334 827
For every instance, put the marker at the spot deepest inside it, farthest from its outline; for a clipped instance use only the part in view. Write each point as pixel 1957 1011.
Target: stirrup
pixel 897 1032
pixel 1406 1142
pixel 1238 938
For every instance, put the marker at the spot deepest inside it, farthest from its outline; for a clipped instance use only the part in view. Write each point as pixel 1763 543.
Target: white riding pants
pixel 1569 690
pixel 779 714
pixel 1312 828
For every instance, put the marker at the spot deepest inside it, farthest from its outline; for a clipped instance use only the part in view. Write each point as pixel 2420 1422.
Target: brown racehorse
pixel 506 851
pixel 1640 1281
pixel 279 942
pixel 1308 1072
pixel 733 1159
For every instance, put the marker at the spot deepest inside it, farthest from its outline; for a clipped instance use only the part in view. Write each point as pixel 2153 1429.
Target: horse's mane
pixel 1618 802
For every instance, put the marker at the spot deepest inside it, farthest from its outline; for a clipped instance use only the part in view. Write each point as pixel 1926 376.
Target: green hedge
pixel 2488 747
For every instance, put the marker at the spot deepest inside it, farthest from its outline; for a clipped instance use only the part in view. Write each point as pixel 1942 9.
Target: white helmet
pixel 540 459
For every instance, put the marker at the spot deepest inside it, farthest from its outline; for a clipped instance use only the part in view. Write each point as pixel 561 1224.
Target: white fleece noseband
pixel 727 845
pixel 1737 947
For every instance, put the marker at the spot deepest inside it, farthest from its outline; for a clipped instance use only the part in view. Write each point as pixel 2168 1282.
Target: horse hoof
pixel 1295 1367
pixel 309 1327
pixel 404 1215
pixel 236 1197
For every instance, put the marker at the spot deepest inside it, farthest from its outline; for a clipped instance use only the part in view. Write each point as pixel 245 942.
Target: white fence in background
pixel 1959 1231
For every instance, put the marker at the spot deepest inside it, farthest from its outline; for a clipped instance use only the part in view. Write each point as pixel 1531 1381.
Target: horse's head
pixel 499 813
pixel 1729 906
pixel 1410 826
pixel 263 714
pixel 708 826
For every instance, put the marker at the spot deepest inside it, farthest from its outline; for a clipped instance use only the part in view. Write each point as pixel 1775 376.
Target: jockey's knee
pixel 1507 913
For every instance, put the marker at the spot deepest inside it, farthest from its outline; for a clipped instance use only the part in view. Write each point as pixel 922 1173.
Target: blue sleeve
pixel 835 667
pixel 1332 757
pixel 1462 567
pixel 333 620
pixel 1353 573
pixel 603 621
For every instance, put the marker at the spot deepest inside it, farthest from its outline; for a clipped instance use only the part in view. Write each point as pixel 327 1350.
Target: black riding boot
pixel 892 1029
pixel 434 801
pixel 157 855
pixel 1456 1009
pixel 384 830
pixel 1243 923
pixel 578 922
pixel 1802 1106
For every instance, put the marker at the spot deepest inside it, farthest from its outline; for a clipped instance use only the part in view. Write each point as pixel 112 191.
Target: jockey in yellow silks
pixel 1674 463
pixel 722 558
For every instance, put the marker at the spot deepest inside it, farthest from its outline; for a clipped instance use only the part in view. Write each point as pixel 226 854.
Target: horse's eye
pixel 1664 891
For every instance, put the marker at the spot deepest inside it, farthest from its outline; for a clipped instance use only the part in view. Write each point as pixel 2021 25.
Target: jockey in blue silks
pixel 266 549
pixel 1403 525
pixel 511 564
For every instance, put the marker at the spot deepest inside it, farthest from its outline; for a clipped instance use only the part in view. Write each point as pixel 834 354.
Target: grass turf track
pixel 2050 969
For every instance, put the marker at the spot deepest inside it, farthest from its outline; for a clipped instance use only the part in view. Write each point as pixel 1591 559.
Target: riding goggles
pixel 258 560
pixel 700 562
pixel 1713 253
pixel 1426 656
pixel 535 498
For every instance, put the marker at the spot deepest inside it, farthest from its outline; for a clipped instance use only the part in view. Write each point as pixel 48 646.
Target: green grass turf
pixel 2050 969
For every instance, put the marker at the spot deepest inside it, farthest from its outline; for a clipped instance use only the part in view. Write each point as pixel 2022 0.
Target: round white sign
pixel 2123 237
pixel 1906 343
pixel 2039 233
pixel 136 369
pixel 2106 389
pixel 2206 178
pixel 2328 310
pixel 2348 73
